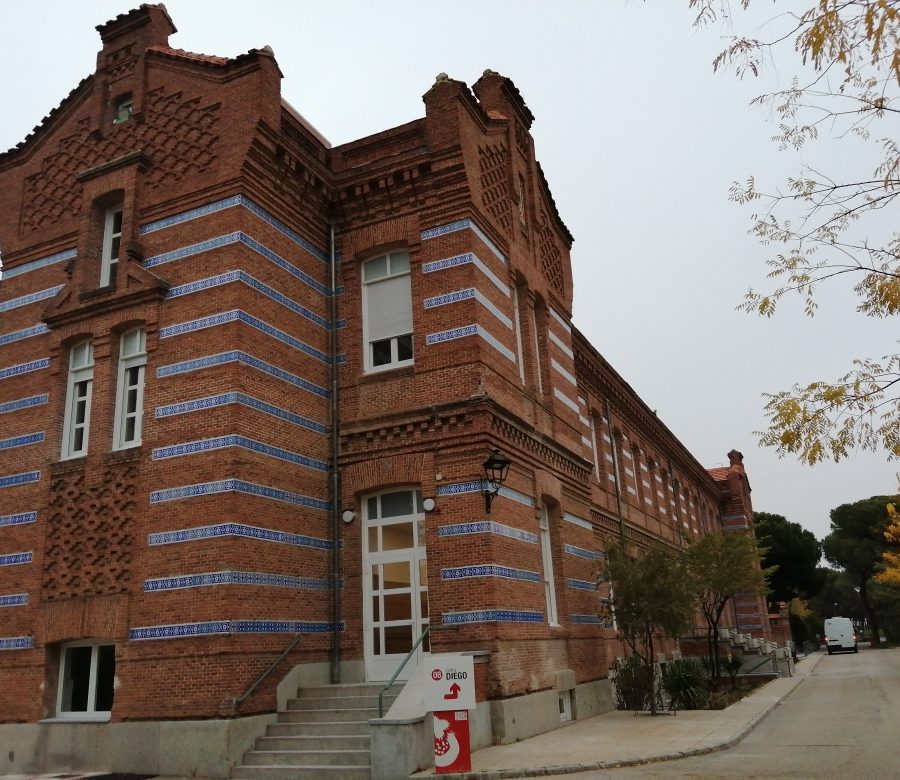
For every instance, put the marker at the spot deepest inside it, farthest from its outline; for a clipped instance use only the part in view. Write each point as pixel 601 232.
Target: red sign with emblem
pixel 452 749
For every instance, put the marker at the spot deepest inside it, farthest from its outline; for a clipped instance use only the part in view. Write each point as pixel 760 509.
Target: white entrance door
pixel 395 588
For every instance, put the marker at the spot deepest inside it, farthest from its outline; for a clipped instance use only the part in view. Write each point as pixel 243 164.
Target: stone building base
pixel 186 748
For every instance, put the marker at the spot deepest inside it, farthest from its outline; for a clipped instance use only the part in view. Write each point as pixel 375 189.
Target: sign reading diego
pixel 449 682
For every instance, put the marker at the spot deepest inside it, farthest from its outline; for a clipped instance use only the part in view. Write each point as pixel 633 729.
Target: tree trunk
pixel 715 672
pixel 712 647
pixel 652 672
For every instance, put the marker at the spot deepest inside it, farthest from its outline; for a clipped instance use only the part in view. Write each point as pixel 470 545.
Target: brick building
pixel 203 307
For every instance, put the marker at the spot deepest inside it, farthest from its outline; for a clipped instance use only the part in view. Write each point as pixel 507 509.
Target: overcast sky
pixel 639 141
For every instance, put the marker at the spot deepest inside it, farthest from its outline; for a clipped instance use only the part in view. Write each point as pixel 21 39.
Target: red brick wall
pixel 210 129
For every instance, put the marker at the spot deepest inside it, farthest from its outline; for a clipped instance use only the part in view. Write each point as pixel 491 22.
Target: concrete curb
pixel 567 769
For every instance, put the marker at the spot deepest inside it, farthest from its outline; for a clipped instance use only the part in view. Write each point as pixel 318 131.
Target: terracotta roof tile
pixel 720 473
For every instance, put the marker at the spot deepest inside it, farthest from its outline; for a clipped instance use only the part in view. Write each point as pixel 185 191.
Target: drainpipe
pixel 335 474
pixel 617 483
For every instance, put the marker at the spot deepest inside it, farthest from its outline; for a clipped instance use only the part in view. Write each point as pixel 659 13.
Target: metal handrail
pixel 397 673
pixel 763 663
pixel 267 672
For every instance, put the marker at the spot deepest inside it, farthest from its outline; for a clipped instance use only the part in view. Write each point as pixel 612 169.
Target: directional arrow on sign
pixel 454 692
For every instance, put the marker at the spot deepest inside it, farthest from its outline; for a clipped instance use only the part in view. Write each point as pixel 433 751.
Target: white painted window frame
pixel 81 378
pixel 112 244
pixel 547 556
pixel 136 359
pixel 369 320
pixel 538 367
pixel 520 353
pixel 91 713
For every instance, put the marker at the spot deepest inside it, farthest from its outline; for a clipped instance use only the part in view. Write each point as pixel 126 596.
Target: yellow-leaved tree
pixel 829 225
pixel 890 575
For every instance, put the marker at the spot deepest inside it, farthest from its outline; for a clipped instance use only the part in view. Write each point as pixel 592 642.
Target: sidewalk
pixel 619 738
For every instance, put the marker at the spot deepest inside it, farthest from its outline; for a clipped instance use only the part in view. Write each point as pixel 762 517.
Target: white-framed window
pixel 594 447
pixel 547 556
pixel 112 239
pixel 520 353
pixel 86 687
pixel 130 389
pixel 387 312
pixel 538 368
pixel 76 419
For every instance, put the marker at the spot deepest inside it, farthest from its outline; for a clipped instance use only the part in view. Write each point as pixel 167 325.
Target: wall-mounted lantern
pixel 496 467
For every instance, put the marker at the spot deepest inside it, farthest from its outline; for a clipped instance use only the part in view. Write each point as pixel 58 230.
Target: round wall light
pixel 428 504
pixel 348 516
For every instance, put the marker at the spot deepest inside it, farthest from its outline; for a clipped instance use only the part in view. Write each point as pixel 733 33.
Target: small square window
pixel 123 109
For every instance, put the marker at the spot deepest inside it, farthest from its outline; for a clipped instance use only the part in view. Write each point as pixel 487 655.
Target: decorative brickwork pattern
pixel 494 164
pixel 53 192
pixel 178 135
pixel 181 135
pixel 522 142
pixel 89 534
pixel 550 254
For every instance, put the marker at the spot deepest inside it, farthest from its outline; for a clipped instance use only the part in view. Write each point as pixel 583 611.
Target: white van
pixel 839 635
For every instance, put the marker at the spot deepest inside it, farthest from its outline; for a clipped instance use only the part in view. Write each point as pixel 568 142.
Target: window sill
pixel 374 375
pixel 124 455
pixel 99 292
pixel 79 717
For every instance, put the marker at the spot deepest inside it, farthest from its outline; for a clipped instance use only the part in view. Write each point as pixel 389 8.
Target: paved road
pixel 843 721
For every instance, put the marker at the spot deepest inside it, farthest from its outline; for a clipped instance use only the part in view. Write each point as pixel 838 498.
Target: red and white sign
pixel 449 682
pixel 452 749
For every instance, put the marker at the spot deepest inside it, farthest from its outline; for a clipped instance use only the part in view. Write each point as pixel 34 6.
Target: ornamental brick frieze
pixel 89 541
pixel 574 466
pixel 178 135
pixel 401 433
pixel 384 194
pixel 607 526
pixel 493 162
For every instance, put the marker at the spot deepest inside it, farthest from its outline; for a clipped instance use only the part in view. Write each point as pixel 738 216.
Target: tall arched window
pixel 130 389
pixel 77 416
pixel 112 240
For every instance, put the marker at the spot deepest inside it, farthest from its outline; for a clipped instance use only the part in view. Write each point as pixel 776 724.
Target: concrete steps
pixel 323 733
pixel 313 772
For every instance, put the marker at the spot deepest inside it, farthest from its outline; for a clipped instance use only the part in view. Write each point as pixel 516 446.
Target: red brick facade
pixel 199 552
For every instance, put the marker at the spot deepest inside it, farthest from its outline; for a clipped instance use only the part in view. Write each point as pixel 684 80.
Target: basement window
pixel 86 681
pixel 565 706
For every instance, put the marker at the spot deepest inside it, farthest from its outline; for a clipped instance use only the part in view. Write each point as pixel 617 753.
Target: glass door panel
pixel 396 586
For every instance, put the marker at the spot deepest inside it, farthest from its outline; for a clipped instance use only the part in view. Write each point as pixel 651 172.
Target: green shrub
pixel 634 687
pixel 732 667
pixel 685 683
